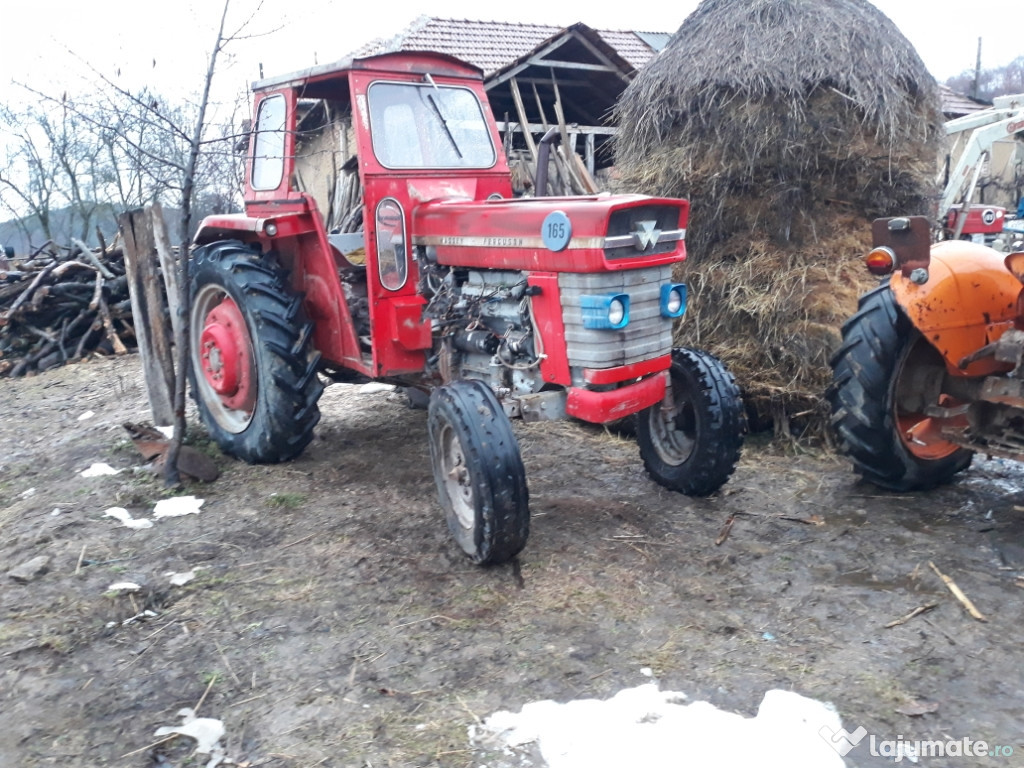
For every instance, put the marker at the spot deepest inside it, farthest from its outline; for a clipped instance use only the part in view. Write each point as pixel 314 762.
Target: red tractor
pixel 380 241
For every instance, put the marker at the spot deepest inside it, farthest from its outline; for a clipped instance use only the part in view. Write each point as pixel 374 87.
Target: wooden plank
pixel 521 111
pixel 624 76
pixel 586 130
pixel 576 65
pixel 540 107
pixel 589 185
pixel 567 145
pixel 573 184
pixel 151 328
pixel 526 64
pixel 168 265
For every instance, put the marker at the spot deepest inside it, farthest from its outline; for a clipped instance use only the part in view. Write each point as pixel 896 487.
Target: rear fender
pixel 969 300
pixel 294 230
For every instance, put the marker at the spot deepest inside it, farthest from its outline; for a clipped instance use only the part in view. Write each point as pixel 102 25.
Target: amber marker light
pixel 881 261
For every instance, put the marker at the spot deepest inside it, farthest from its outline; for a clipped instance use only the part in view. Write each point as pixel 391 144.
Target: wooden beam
pixel 540 108
pixel 627 77
pixel 575 65
pixel 526 63
pixel 586 130
pixel 168 265
pixel 521 111
pixel 151 329
pixel 565 82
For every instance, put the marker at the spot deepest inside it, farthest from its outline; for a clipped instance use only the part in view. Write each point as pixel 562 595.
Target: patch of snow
pixel 374 387
pixel 177 506
pixel 646 727
pixel 122 514
pixel 124 586
pixel 99 469
pixel 86 415
pixel 206 731
pixel 181 579
pixel 167 432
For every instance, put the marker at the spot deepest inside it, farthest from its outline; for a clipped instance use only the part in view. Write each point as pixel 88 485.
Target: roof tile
pixel 491 45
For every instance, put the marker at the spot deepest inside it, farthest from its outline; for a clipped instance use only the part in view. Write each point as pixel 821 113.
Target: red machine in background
pixel 380 241
pixel 958 217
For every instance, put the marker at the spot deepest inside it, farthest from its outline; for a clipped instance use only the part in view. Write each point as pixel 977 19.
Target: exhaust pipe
pixel 552 137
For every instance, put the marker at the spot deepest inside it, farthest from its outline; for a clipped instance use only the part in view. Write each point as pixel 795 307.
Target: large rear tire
pixel 479 472
pixel 253 367
pixel 694 447
pixel 884 375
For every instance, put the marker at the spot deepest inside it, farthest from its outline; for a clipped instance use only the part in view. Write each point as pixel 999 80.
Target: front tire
pixel 253 367
pixel 479 472
pixel 883 377
pixel 693 447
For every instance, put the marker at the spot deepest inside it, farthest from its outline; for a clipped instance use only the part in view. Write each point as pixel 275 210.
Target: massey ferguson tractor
pixel 931 368
pixel 380 241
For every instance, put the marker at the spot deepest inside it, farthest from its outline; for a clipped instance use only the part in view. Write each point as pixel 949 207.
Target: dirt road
pixel 331 620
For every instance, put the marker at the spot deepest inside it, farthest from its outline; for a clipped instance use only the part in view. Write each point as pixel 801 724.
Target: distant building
pixel 957 104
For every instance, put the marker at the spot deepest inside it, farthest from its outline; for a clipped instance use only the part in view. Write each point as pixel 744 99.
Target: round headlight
pixel 674 302
pixel 616 312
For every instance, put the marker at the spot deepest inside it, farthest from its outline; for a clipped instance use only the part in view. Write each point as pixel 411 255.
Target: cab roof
pixel 412 62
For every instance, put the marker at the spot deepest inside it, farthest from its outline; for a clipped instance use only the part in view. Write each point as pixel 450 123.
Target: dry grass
pixel 788 130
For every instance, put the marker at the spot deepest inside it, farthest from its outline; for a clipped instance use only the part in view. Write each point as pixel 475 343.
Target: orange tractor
pixel 930 369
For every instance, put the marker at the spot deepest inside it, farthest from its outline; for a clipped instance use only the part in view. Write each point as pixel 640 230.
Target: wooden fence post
pixel 149 311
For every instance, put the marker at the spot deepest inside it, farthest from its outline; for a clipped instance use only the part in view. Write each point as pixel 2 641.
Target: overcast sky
pixel 55 45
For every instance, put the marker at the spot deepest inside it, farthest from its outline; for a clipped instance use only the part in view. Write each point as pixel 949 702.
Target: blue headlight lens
pixel 673 299
pixel 605 313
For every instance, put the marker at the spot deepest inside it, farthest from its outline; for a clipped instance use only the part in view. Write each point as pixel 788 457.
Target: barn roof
pixel 957 105
pixel 474 41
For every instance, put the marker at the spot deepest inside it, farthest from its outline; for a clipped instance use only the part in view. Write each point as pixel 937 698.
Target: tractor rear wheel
pixel 693 447
pixel 253 367
pixel 479 472
pixel 883 377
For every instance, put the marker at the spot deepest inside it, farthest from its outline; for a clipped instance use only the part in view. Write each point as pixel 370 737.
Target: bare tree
pixel 138 148
pixel 992 82
pixel 182 330
pixel 28 179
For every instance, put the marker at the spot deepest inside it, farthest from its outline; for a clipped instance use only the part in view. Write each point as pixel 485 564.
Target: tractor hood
pixel 553 234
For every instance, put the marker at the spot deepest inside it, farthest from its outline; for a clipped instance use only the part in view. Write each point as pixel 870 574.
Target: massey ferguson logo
pixel 645 235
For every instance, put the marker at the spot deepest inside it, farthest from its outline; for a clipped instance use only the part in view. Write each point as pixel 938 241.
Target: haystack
pixel 790 125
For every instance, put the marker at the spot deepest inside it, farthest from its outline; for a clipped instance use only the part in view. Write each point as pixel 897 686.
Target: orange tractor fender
pixel 969 300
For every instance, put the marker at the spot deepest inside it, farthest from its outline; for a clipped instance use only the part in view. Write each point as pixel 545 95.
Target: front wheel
pixel 253 367
pixel 884 377
pixel 479 472
pixel 691 442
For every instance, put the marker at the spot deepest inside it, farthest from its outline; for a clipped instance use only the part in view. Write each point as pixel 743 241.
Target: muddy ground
pixel 334 622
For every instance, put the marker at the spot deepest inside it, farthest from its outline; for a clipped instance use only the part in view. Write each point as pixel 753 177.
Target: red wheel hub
pixel 225 353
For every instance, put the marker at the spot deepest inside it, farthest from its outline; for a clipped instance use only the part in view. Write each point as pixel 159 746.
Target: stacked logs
pixel 62 304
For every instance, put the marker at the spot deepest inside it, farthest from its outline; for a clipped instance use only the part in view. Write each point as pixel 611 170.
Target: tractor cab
pixel 337 191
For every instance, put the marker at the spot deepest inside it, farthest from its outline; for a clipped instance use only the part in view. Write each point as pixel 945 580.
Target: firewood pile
pixel 62 304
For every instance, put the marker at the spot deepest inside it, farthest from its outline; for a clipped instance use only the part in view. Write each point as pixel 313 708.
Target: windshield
pixel 417 125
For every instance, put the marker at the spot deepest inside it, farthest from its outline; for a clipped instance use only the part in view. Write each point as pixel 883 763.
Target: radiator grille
pixel 647 335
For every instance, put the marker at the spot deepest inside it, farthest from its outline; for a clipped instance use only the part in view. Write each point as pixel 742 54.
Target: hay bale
pixel 789 124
